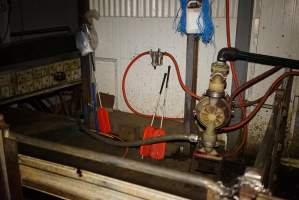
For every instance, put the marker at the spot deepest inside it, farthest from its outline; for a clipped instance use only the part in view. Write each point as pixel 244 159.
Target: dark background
pixel 20 16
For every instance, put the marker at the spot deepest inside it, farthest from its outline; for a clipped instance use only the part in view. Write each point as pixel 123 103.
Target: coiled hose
pixel 182 84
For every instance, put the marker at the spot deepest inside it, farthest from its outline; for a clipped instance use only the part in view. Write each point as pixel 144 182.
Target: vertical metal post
pixel 191 80
pixel 4 189
pixel 9 172
pixel 86 90
pixel 243 36
pixel 83 7
pixel 281 134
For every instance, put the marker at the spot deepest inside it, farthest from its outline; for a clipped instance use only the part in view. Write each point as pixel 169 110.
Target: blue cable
pixel 182 23
pixel 208 26
pixel 204 22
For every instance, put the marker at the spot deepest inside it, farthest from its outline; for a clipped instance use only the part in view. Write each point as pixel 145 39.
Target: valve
pixel 157 58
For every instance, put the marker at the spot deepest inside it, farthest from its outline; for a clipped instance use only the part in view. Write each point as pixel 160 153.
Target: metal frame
pixel 191 80
pixel 63 181
pixel 12 177
pixel 261 178
pixel 136 166
pixel 272 145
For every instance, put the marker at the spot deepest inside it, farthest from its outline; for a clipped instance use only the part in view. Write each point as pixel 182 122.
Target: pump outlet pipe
pixel 233 54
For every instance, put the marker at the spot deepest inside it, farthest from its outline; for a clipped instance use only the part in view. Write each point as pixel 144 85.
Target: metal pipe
pixel 233 54
pixel 58 29
pixel 63 181
pixel 123 163
pixel 168 138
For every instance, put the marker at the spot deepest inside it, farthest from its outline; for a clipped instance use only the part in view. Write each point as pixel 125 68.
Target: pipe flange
pixel 213 94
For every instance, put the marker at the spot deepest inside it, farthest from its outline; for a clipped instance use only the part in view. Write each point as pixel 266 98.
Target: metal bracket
pixel 157 58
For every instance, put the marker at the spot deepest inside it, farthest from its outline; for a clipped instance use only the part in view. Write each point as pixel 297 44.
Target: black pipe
pixel 58 29
pixel 167 138
pixel 233 54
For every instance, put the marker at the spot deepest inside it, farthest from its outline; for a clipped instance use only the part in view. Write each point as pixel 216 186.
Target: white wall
pixel 275 32
pixel 122 38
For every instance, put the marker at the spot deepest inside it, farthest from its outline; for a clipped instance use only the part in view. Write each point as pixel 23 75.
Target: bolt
pixel 181 148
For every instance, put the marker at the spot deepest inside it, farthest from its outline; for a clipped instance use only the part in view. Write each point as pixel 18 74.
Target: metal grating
pixel 153 8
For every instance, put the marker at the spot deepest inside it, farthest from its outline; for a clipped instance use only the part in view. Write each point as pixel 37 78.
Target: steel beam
pixel 280 137
pixel 243 36
pixel 272 146
pixel 191 80
pixel 63 181
pixel 264 155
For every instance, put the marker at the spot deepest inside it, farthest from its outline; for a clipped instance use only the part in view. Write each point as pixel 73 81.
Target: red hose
pixel 270 91
pixel 253 81
pixel 185 88
pixel 238 90
pixel 273 87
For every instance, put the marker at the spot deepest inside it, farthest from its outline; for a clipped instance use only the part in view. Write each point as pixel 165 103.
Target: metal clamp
pixel 213 94
pixel 253 178
pixel 249 186
pixel 157 58
pixel 194 138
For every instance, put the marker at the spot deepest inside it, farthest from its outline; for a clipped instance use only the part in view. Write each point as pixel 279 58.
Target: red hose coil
pixel 184 87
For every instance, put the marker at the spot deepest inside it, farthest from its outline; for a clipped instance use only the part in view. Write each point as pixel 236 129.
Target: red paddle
pixel 103 117
pixel 148 131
